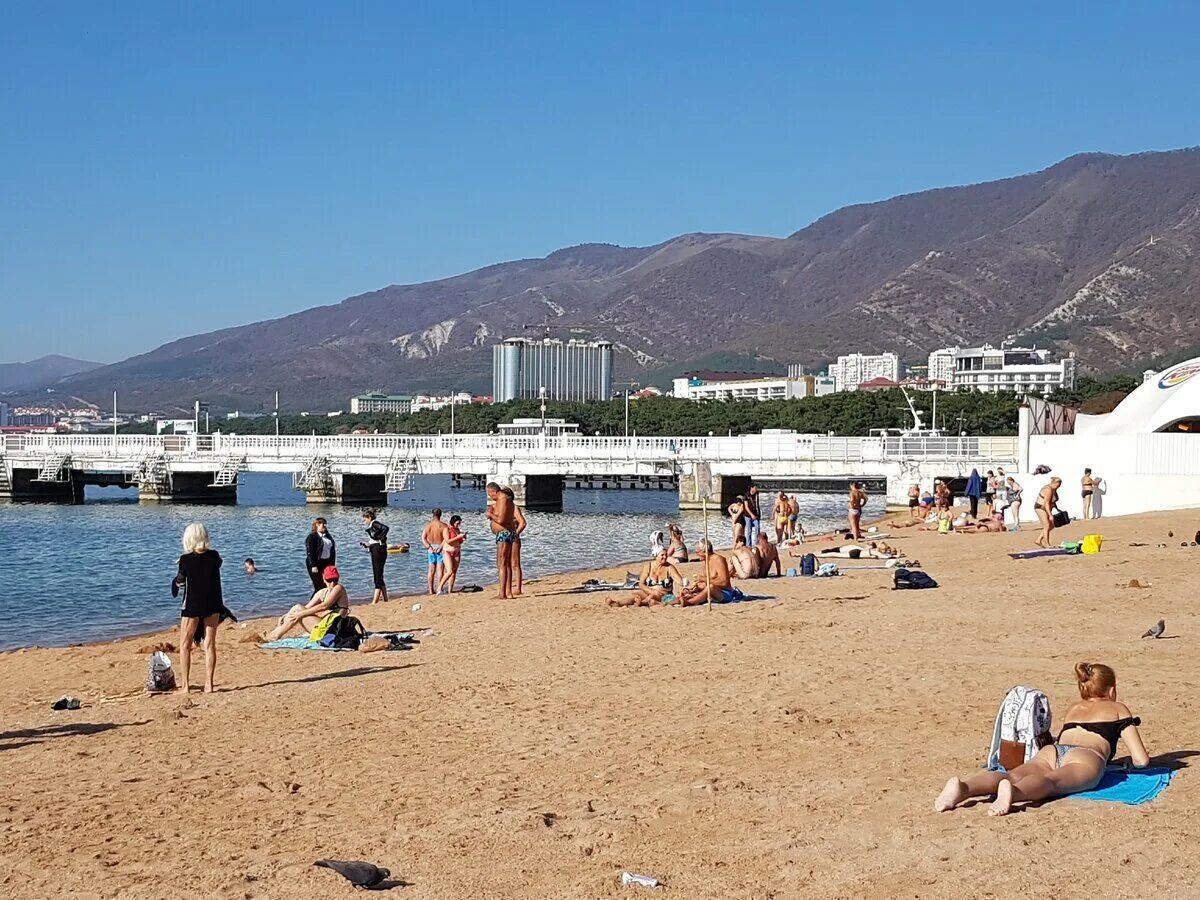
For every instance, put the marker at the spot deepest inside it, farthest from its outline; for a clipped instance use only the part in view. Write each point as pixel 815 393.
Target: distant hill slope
pixel 41 372
pixel 1062 256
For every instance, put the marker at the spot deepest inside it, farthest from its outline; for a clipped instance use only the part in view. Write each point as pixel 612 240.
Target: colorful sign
pixel 1179 374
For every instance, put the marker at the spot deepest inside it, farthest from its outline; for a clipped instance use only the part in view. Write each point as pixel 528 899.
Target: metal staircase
pixel 5 482
pixel 400 471
pixel 152 472
pixel 315 475
pixel 228 473
pixel 53 467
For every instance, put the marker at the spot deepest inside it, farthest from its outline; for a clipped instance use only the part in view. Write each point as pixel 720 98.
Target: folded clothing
pixel 1132 787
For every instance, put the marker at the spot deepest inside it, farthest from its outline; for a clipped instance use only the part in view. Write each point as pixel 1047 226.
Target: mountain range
pixel 1096 255
pixel 21 376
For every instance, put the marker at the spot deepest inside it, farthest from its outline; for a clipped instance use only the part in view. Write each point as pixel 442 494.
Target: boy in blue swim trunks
pixel 433 536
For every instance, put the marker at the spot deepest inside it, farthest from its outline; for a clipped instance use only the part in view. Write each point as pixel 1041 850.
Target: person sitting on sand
pixel 332 596
pixel 743 560
pixel 715 584
pixel 677 550
pixel 768 555
pixel 657 585
pixel 1086 744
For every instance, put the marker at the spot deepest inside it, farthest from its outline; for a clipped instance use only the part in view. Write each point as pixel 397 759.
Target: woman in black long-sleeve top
pixel 319 551
pixel 376 544
pixel 200 579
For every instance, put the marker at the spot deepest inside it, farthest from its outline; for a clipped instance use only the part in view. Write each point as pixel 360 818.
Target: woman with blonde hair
pixel 1086 744
pixel 199 577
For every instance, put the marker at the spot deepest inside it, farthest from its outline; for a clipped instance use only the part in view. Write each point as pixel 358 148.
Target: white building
pixel 1014 369
pixel 853 369
pixel 941 365
pixel 741 386
pixel 440 401
pixel 378 402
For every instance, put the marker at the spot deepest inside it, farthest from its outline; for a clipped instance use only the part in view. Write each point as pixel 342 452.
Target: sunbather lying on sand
pixel 990 525
pixel 331 597
pixel 1076 763
pixel 716 584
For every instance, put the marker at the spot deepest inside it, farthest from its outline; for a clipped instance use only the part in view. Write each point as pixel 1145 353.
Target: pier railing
pixel 373 447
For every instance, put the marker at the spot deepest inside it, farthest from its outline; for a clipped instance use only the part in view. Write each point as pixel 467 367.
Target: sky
pixel 171 168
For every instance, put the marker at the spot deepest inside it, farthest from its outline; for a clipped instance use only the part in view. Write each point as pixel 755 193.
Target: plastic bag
pixel 159 675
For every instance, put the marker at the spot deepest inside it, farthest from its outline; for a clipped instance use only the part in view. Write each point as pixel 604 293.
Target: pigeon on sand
pixel 1157 631
pixel 358 873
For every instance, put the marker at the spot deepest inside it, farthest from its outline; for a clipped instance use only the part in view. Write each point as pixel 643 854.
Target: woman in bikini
pixel 656 586
pixel 1086 744
pixel 1088 484
pixel 854 508
pixel 1047 503
pixel 677 550
pixel 452 550
pixel 737 518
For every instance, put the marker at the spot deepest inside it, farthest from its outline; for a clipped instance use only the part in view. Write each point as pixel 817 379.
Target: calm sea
pixel 103 569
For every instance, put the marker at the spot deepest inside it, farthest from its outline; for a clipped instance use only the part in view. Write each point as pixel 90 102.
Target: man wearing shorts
pixel 433 537
pixel 501 516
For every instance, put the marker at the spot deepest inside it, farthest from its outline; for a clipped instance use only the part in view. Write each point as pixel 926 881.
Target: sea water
pixel 102 569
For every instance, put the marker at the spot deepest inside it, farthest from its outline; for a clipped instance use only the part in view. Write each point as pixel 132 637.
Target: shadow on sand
pixel 326 676
pixel 23 737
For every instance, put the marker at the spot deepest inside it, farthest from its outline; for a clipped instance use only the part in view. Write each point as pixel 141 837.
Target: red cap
pixel 331 573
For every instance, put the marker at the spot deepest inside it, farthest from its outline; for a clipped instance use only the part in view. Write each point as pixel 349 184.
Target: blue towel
pixel 293 643
pixel 746 598
pixel 1133 787
pixel 1051 551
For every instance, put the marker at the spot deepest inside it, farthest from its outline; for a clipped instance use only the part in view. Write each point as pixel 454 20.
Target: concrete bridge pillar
pixel 725 489
pixel 543 492
pixel 22 484
pixel 187 487
pixel 350 490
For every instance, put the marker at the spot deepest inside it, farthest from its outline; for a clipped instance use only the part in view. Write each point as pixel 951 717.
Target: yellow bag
pixel 1092 543
pixel 322 628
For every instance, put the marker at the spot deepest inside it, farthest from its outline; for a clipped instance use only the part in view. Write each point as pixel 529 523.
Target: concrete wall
pixel 1138 472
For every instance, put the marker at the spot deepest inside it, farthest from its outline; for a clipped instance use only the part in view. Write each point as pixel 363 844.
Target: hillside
pixel 1062 256
pixel 41 372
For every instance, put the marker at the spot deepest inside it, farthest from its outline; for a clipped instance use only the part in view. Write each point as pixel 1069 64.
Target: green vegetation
pixel 1087 388
pixel 843 414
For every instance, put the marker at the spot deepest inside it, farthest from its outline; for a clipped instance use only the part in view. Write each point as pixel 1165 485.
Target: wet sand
pixel 539 747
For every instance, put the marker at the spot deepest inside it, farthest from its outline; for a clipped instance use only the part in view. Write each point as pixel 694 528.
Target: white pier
pixel 364 468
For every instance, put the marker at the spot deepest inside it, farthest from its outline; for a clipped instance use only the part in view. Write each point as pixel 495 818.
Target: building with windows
pixel 5 415
pixel 941 365
pixel 378 402
pixel 535 426
pixel 523 368
pixel 1006 368
pixel 742 386
pixel 853 369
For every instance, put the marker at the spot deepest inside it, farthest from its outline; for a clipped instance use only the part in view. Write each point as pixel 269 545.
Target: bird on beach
pixel 1157 631
pixel 358 873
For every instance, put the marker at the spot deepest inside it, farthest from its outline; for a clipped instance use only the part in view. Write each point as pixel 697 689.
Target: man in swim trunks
pixel 502 518
pixel 715 584
pixel 768 555
pixel 433 536
pixel 794 529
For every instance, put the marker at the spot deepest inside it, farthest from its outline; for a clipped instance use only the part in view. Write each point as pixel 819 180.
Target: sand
pixel 539 747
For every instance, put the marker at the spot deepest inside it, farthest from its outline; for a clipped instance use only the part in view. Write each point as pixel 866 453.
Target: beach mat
pixel 295 643
pixel 1132 788
pixel 745 598
pixel 1049 551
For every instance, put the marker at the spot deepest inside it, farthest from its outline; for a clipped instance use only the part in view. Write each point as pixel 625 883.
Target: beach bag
pixel 827 570
pixel 348 633
pixel 159 675
pixel 808 564
pixel 1092 543
pixel 322 628
pixel 1022 728
pixel 913 580
pixel 1061 519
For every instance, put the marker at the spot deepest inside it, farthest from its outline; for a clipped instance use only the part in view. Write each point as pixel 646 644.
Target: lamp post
pixel 453 403
pixel 542 394
pixel 629 386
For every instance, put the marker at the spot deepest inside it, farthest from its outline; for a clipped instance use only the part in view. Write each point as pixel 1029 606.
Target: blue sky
pixel 170 168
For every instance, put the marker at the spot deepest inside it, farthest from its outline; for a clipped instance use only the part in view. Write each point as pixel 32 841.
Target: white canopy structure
pixel 1167 402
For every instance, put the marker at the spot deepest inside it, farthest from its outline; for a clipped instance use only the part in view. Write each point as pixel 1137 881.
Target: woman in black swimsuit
pixel 658 584
pixel 376 545
pixel 1086 744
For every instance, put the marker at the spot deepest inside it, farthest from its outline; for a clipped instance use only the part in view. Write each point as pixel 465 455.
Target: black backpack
pixel 913 580
pixel 347 633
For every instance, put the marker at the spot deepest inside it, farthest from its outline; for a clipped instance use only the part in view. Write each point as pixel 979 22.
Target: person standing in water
pixel 503 523
pixel 452 550
pixel 376 545
pixel 433 539
pixel 319 551
pixel 854 508
pixel 199 577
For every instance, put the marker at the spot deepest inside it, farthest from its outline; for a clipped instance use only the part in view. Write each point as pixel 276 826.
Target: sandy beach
pixel 539 747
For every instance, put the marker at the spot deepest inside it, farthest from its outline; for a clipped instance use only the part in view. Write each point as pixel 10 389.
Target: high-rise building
pixel 5 415
pixel 855 368
pixel 567 370
pixel 941 365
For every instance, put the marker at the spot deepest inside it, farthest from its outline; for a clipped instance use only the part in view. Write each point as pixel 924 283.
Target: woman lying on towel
pixel 329 598
pixel 1086 744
